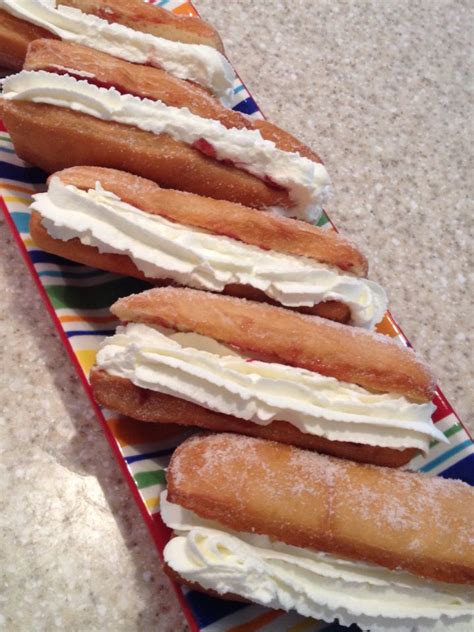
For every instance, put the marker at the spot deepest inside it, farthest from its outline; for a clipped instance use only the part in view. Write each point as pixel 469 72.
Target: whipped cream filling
pixel 307 182
pixel 195 62
pixel 163 249
pixel 319 585
pixel 200 370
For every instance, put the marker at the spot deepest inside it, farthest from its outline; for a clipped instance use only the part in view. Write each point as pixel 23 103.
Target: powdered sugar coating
pixel 393 518
pixel 365 358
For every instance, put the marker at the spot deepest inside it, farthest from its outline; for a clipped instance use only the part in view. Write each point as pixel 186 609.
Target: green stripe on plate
pixel 323 220
pixel 94 296
pixel 448 433
pixel 147 479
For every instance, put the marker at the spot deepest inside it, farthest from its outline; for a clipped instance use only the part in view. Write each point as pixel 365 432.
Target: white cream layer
pixel 307 182
pixel 314 584
pixel 163 249
pixel 200 370
pixel 194 62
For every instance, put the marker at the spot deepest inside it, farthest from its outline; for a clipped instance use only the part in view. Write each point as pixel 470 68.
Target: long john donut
pixel 373 361
pixel 151 19
pixel 151 83
pixel 245 225
pixel 145 374
pixel 165 157
pixel 121 395
pixel 397 519
pixel 16 34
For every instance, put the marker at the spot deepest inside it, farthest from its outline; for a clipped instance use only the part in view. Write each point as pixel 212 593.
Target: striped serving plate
pixel 78 298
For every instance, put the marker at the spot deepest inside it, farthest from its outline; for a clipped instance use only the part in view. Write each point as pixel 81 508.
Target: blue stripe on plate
pixel 247 106
pixel 38 256
pixel 238 89
pixel 7 150
pixel 445 456
pixel 208 609
pixel 22 221
pixel 462 470
pixel 148 455
pixel 71 275
pixel 22 174
pixel 91 332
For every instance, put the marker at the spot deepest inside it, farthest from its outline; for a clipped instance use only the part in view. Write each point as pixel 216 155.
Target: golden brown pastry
pixel 151 19
pixel 16 33
pixel 151 83
pixel 400 520
pixel 294 530
pixel 228 364
pixel 83 140
pixel 112 113
pixel 267 257
pixel 373 361
pixel 120 394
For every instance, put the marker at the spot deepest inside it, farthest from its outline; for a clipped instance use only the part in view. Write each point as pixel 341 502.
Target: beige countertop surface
pixel 381 91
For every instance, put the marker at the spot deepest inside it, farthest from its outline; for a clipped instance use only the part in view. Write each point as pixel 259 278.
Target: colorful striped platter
pixel 78 298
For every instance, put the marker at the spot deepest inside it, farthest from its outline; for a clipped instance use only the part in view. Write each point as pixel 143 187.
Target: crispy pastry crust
pixel 152 19
pixel 349 354
pixel 397 519
pixel 171 163
pixel 152 83
pixel 15 35
pixel 74 250
pixel 122 396
pixel 54 138
pixel 265 230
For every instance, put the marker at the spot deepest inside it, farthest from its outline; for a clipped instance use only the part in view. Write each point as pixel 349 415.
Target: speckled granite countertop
pixel 380 90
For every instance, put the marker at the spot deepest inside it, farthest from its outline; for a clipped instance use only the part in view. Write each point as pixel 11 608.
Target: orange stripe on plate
pixel 186 9
pixel 14 187
pixel 256 624
pixel 87 319
pixel 132 432
pixel 387 327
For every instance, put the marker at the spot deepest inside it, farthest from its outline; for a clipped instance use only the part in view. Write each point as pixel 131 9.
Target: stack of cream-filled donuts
pixel 262 329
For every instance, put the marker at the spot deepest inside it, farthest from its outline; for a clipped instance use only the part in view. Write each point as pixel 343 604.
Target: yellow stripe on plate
pixel 152 503
pixel 16 199
pixel 86 358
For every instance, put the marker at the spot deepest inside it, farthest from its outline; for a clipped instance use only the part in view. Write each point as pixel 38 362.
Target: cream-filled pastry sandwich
pixel 72 105
pixel 289 529
pixel 122 223
pixel 186 47
pixel 227 364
